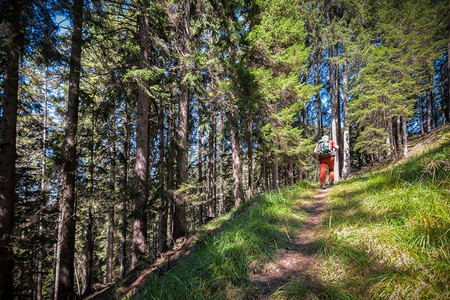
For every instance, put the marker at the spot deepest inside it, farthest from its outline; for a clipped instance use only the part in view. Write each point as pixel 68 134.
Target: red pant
pixel 324 162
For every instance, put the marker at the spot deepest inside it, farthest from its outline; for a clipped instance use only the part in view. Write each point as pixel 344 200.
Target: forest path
pixel 295 263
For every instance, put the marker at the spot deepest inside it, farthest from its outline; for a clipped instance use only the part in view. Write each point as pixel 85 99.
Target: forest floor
pixel 295 262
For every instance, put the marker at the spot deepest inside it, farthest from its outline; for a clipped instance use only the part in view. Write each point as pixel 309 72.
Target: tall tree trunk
pixel 405 137
pixel 40 254
pixel 250 153
pixel 112 186
pixel 163 209
pixel 429 128
pixel 399 134
pixel 123 238
pixel 334 113
pixel 200 170
pixel 220 155
pixel 346 146
pixel 211 137
pixel 275 183
pixel 179 225
pixel 170 174
pixel 318 101
pixel 12 32
pixel 88 254
pixel 235 148
pixel 290 170
pixel 64 288
pixel 142 149
pixel 422 131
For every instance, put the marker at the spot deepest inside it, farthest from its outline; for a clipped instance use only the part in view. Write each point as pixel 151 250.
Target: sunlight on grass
pixel 386 234
pixel 221 263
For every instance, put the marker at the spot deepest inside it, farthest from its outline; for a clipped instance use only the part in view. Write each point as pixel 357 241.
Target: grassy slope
pixel 221 263
pixel 386 235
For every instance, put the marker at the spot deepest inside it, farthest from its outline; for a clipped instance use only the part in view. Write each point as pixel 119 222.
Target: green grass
pixel 386 234
pixel 221 263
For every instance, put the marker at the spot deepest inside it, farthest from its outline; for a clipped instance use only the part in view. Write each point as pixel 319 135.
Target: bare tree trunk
pixel 405 137
pixel 163 208
pixel 221 153
pixel 123 238
pixel 237 178
pixel 40 254
pixel 399 134
pixel 334 114
pixel 180 227
pixel 211 210
pixel 275 183
pixel 318 101
pixel 112 186
pixel 346 146
pixel 290 167
pixel 250 153
pixel 200 171
pixel 64 288
pixel 429 128
pixel 448 83
pixel 12 32
pixel 88 255
pixel 142 150
pixel 422 131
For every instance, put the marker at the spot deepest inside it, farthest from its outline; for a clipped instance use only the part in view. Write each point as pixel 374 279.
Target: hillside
pixel 383 234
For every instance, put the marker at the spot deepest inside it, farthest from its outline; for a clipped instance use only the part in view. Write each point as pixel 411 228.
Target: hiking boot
pixel 331 182
pixel 323 186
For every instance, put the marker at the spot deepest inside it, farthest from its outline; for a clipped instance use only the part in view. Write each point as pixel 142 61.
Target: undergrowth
pixel 221 263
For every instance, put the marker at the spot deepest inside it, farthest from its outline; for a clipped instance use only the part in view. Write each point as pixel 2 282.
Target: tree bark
pixel 179 226
pixel 123 238
pixel 64 288
pixel 88 254
pixel 200 171
pixel 8 133
pixel 235 147
pixel 346 146
pixel 211 138
pixel 318 101
pixel 112 186
pixel 250 153
pixel 405 137
pixel 429 117
pixel 422 131
pixel 163 208
pixel 275 183
pixel 221 152
pixel 334 113
pixel 142 149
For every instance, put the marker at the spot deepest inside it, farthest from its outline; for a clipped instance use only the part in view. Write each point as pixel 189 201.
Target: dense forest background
pixel 125 124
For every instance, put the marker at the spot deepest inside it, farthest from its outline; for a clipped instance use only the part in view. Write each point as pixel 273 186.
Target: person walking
pixel 325 152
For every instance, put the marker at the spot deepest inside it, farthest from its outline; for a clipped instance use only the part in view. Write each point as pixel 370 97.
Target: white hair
pixel 325 138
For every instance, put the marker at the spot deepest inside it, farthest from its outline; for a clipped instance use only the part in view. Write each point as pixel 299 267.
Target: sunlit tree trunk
pixel 405 137
pixel 346 140
pixel 235 148
pixel 220 155
pixel 250 153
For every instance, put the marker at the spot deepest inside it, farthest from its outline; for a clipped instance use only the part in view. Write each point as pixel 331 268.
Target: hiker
pixel 325 152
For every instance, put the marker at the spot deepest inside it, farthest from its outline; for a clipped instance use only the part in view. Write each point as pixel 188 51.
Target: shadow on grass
pixel 220 264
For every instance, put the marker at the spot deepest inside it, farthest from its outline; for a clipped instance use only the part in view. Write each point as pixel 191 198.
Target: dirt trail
pixel 294 262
